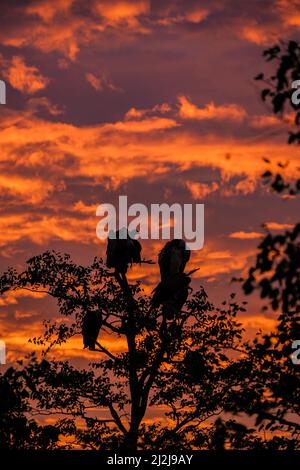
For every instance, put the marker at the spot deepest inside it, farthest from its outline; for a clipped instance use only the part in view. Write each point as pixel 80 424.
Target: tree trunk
pixel 130 441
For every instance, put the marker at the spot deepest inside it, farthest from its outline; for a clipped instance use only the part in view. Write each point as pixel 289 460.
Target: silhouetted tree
pixel 17 430
pixel 181 363
pixel 272 382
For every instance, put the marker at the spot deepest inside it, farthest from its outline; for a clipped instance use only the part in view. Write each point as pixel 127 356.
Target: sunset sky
pixel 150 99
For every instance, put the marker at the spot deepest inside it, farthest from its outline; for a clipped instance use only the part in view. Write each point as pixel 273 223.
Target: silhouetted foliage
pixel 182 363
pixel 273 380
pixel 17 431
pixel 279 93
pixel 279 86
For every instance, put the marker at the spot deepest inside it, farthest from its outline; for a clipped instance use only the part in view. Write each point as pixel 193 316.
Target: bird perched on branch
pixel 122 251
pixel 91 326
pixel 172 294
pixel 173 258
pixel 173 289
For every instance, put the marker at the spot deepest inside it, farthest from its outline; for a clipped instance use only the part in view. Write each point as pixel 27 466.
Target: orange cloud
pixel 270 121
pixel 192 16
pixel 258 322
pixel 245 186
pixel 197 15
pixel 24 78
pixel 55 26
pixel 12 297
pixel 84 208
pixel 214 261
pixel 147 125
pixel 30 189
pixel 258 34
pixel 35 104
pixel 289 12
pixel 245 235
pixel 47 10
pixel 123 12
pixel 98 151
pixel 135 113
pixel 187 110
pixel 101 83
pixel 108 155
pixel 20 314
pixel 65 37
pixel 278 226
pixel 41 228
pixel 265 121
pixel 201 190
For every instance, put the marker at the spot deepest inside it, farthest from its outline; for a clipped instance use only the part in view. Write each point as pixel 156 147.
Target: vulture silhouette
pixel 173 289
pixel 172 294
pixel 122 251
pixel 173 258
pixel 91 326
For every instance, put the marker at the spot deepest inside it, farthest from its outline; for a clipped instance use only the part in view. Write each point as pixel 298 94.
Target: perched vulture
pixel 173 258
pixel 173 289
pixel 122 252
pixel 172 294
pixel 91 325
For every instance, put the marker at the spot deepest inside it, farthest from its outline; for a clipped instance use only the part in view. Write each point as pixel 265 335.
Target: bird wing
pixel 135 251
pixel 164 260
pixel 91 326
